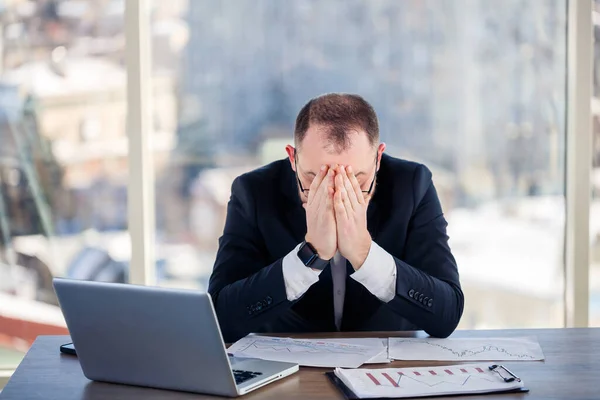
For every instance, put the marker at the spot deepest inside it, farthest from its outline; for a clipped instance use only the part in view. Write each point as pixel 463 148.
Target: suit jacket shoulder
pixel 401 182
pixel 257 180
pixel 260 183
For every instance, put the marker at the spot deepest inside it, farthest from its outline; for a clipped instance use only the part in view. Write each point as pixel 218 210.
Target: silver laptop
pixel 156 337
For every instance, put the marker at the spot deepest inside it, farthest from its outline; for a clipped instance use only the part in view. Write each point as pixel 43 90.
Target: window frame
pixel 140 189
pixel 578 165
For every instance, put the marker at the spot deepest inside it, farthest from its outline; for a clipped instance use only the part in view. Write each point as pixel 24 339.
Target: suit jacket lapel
pixel 291 206
pixel 296 223
pixel 378 202
pixel 373 219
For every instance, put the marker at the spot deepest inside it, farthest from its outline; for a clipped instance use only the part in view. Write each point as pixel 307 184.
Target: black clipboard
pixel 349 394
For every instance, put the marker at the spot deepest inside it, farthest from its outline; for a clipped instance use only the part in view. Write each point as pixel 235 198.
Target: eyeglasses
pixel 305 191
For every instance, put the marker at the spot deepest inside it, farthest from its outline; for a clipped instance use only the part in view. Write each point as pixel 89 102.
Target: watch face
pixel 307 254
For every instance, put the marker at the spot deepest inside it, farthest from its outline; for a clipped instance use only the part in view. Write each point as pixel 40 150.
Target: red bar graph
pixel 375 381
pixel 450 379
pixel 389 378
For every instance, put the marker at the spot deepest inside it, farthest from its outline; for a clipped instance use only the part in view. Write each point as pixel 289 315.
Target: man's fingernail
pixel 349 169
pixel 322 167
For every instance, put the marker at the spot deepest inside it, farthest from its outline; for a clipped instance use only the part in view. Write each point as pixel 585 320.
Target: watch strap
pixel 310 257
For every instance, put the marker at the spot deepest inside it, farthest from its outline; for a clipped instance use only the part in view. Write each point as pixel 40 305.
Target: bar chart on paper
pixel 312 353
pixel 427 381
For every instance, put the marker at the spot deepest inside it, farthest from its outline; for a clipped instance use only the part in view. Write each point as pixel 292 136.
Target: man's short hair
pixel 338 114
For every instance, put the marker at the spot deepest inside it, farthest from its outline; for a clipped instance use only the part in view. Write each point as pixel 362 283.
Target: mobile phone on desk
pixel 68 348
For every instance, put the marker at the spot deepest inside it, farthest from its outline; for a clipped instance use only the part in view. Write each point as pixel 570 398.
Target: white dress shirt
pixel 377 274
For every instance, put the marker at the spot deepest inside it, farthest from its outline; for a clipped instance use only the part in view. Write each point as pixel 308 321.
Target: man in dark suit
pixel 340 237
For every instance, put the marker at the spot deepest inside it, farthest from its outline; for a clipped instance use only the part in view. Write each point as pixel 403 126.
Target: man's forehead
pixel 311 163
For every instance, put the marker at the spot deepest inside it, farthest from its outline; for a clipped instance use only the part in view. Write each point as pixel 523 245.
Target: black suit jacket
pixel 266 220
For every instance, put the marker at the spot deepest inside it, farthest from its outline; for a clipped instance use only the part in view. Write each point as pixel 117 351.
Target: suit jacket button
pixel 421 297
pixel 425 299
pixel 417 295
pixel 269 300
pixel 430 303
pixel 411 293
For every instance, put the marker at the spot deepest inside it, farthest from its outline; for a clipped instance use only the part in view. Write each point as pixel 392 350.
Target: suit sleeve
pixel 247 290
pixel 428 291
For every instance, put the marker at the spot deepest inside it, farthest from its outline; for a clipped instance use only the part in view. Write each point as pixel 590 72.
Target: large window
pixel 63 159
pixel 476 92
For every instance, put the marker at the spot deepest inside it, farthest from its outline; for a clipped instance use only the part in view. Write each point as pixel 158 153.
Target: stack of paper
pixel 426 381
pixel 347 353
pixel 353 352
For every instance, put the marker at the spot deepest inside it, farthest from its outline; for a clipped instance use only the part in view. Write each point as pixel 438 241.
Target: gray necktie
pixel 338 275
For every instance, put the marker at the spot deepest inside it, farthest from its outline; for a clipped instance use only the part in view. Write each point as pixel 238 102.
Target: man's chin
pixel 303 198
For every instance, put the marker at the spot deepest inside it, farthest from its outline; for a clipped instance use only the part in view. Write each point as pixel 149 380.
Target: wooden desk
pixel 571 371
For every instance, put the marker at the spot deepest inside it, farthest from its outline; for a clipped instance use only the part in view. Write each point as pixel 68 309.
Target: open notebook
pixel 425 381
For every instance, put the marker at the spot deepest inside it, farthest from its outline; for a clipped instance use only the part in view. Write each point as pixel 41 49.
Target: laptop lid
pixel 146 336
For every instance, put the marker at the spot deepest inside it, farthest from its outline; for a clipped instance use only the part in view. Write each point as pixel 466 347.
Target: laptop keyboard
pixel 243 376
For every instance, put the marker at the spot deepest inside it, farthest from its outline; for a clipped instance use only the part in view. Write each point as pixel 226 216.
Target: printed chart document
pixel 309 353
pixel 468 349
pixel 425 381
pixel 381 343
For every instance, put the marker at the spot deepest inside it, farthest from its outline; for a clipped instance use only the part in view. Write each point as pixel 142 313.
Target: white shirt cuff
pixel 297 277
pixel 378 273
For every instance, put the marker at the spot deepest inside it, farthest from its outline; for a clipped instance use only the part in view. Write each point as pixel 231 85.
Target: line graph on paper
pixel 304 352
pixel 264 346
pixel 469 349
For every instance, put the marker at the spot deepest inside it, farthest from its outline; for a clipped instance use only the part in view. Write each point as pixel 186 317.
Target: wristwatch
pixel 309 256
